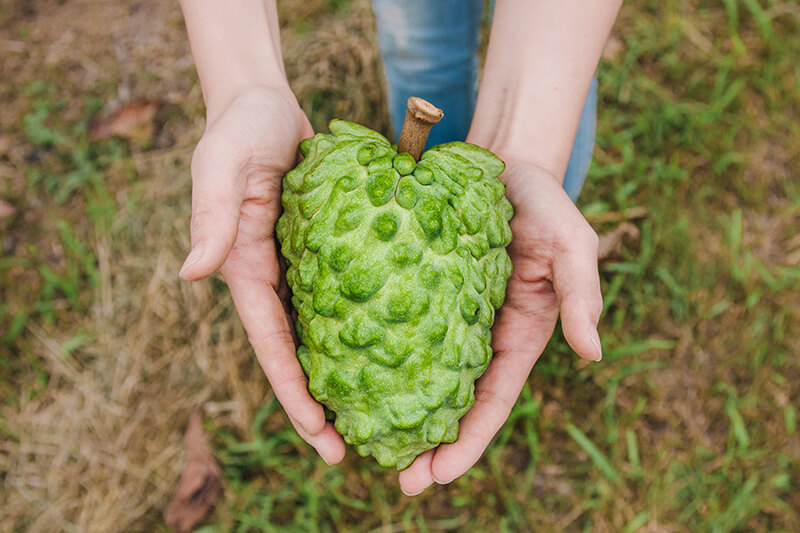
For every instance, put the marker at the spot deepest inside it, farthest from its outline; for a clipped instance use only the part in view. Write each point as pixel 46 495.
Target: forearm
pixel 236 46
pixel 541 59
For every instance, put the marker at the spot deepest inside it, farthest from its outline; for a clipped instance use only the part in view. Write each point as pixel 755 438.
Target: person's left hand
pixel 237 170
pixel 554 254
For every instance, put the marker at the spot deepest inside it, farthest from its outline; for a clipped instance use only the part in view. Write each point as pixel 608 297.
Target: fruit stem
pixel 421 115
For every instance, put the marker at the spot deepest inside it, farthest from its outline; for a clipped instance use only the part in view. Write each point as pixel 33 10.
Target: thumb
pixel 217 193
pixel 577 284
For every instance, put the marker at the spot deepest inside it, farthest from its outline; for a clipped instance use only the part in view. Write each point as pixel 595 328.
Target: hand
pixel 237 170
pixel 554 253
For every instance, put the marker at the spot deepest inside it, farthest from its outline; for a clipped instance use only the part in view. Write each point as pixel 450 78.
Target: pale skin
pixel 540 62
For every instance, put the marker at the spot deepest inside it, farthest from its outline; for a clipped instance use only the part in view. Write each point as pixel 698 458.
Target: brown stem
pixel 420 117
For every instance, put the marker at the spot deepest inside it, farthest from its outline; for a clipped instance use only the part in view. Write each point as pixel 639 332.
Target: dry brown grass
pixel 335 61
pixel 100 448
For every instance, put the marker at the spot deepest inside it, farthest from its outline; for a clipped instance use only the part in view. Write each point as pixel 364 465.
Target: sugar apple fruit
pixel 396 269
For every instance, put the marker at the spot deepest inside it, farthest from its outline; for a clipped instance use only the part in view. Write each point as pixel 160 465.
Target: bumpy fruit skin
pixel 396 269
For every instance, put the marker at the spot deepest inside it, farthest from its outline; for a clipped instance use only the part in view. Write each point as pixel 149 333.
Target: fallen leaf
pixel 134 121
pixel 611 242
pixel 6 209
pixel 200 484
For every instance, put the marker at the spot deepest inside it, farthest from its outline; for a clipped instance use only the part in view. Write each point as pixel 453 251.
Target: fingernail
pixel 411 493
pixel 596 341
pixel 326 461
pixel 440 482
pixel 194 256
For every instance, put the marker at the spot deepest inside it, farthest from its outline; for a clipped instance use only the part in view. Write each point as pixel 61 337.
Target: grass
pixel 689 423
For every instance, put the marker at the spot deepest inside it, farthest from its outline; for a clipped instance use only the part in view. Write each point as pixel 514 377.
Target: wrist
pixel 517 145
pixel 539 66
pixel 253 104
pixel 220 96
pixel 236 47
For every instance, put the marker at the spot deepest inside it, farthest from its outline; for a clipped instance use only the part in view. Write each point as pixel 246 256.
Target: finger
pixel 495 394
pixel 417 477
pixel 268 329
pixel 328 443
pixel 217 193
pixel 576 282
pixel 308 130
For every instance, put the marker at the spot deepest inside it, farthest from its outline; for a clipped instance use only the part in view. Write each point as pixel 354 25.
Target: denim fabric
pixel 581 156
pixel 429 50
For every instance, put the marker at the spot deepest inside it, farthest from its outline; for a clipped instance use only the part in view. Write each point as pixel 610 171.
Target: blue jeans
pixel 430 49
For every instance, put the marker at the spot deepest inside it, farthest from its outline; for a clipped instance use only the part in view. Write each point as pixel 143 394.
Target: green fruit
pixel 396 267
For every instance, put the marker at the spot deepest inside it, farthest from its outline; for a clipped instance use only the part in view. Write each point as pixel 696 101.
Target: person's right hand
pixel 237 170
pixel 554 253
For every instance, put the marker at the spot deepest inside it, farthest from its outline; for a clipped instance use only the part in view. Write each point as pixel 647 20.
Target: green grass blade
pixel 737 423
pixel 790 419
pixel 638 521
pixel 761 17
pixel 598 458
pixel 633 450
